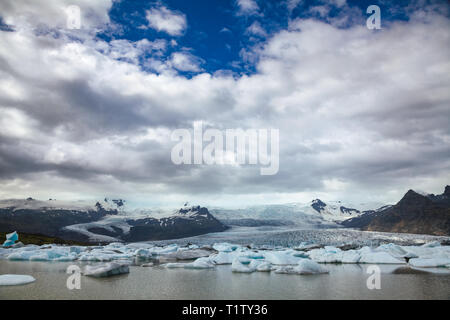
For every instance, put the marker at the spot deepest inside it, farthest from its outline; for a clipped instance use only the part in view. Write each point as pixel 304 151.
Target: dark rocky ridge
pixel 414 213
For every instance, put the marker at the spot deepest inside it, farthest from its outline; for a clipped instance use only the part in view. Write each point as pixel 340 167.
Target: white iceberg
pixel 243 265
pixel 285 257
pixel 261 266
pixel 304 267
pixel 224 257
pixel 188 254
pixel 200 263
pixel 430 263
pixel 381 257
pixel 225 247
pixel 15 279
pixel 106 270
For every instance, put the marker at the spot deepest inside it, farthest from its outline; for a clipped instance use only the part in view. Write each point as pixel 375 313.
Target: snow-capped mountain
pixel 184 222
pixel 49 217
pixel 102 221
pixel 314 213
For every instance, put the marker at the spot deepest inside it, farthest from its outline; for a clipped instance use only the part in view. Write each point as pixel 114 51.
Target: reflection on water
pixel 343 282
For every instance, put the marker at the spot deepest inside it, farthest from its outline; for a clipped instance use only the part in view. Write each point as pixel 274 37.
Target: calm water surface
pixel 343 282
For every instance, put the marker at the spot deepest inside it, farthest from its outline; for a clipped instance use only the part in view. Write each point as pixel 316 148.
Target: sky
pixel 87 113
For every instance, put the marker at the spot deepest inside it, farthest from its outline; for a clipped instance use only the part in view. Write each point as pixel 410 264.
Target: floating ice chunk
pixel 242 265
pixel 379 257
pixel 225 247
pixel 77 249
pixel 165 250
pixel 224 257
pixel 260 265
pixel 13 236
pixel 394 250
pixel 143 253
pixel 304 267
pixel 15 279
pixel 431 244
pixel 200 263
pixel 281 257
pixel 106 270
pixel 251 255
pixel 175 265
pixel 430 263
pixel 189 254
pixel 350 256
pixel 329 255
pixel 8 243
pixel 307 266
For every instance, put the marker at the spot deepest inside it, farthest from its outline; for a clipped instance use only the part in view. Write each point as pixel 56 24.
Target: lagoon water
pixel 343 282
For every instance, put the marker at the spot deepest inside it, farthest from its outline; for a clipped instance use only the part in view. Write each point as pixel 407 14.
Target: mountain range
pixel 103 222
pixel 110 221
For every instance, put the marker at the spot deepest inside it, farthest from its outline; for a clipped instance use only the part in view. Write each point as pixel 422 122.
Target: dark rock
pixel 408 270
pixel 318 205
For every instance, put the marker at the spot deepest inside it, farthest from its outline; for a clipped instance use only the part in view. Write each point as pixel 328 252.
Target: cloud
pixel 247 7
pixel 54 14
pixel 163 19
pixel 362 114
pixel 256 29
pixel 184 61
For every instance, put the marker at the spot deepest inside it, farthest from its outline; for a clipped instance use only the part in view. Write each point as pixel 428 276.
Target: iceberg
pixel 106 270
pixel 243 265
pixel 379 257
pixel 200 263
pixel 188 254
pixel 304 267
pixel 224 257
pixel 15 279
pixel 430 263
pixel 225 247
pixel 8 243
pixel 281 257
pixel 13 236
pixel 260 265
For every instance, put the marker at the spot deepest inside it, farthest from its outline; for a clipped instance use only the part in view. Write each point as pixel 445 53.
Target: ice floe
pixel 304 267
pixel 15 279
pixel 200 263
pixel 243 259
pixel 106 269
pixel 430 263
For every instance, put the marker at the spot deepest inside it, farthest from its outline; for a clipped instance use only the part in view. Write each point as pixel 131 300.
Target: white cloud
pixel 256 29
pixel 185 61
pixel 163 19
pixel 53 14
pixel 247 7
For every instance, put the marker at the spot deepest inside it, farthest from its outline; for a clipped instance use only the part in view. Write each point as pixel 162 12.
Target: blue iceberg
pixel 13 236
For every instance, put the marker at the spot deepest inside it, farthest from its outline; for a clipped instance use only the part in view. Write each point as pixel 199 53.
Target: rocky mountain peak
pixel 318 205
pixel 412 198
pixel 447 191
